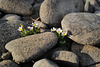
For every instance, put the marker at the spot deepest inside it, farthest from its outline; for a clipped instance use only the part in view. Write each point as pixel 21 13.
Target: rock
pixel 39 1
pixel 76 48
pixel 98 1
pixel 84 28
pixel 93 52
pixel 19 7
pixel 97 13
pixel 36 8
pixel 8 63
pixel 31 47
pixel 40 24
pixel 70 59
pixel 6 56
pixel 44 30
pixel 53 11
pixel 45 63
pixel 11 17
pixel 88 55
pixel 95 65
pixel 0 14
pixel 30 1
pixel 8 32
pixel 50 53
pixel 90 5
pixel 29 64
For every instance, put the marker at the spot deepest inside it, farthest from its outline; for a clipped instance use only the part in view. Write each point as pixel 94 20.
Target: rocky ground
pixel 79 17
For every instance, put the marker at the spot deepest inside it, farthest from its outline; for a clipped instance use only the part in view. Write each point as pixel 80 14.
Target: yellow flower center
pixel 34 24
pixel 63 34
pixel 53 30
pixel 20 29
pixel 58 32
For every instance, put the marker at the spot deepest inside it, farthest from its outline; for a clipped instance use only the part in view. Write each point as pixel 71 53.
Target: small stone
pixel 97 13
pixel 40 24
pixel 90 5
pixel 88 55
pixel 66 58
pixel 11 17
pixel 30 1
pixel 44 30
pixel 45 63
pixel 8 63
pixel 6 56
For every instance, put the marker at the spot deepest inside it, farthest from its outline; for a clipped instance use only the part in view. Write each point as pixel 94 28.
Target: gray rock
pixel 8 32
pixel 45 63
pixel 97 13
pixel 39 1
pixel 8 63
pixel 88 55
pixel 95 65
pixel 11 17
pixel 19 7
pixel 6 56
pixel 90 5
pixel 53 11
pixel 84 27
pixel 30 1
pixel 93 52
pixel 69 58
pixel 31 47
pixel 44 30
pixel 98 1
pixel 36 8
pixel 40 24
pixel 60 48
pixel 0 14
pixel 76 48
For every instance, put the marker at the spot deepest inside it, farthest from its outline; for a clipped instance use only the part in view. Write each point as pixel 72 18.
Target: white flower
pixel 20 28
pixel 31 28
pixel 59 30
pixel 35 24
pixel 28 27
pixel 64 34
pixel 53 29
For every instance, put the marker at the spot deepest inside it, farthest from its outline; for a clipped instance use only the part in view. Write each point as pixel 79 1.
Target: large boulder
pixel 53 11
pixel 8 63
pixel 84 27
pixel 66 58
pixel 16 6
pixel 31 47
pixel 8 32
pixel 45 63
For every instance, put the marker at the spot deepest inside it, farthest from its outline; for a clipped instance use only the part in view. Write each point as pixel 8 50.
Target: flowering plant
pixel 33 29
pixel 61 36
